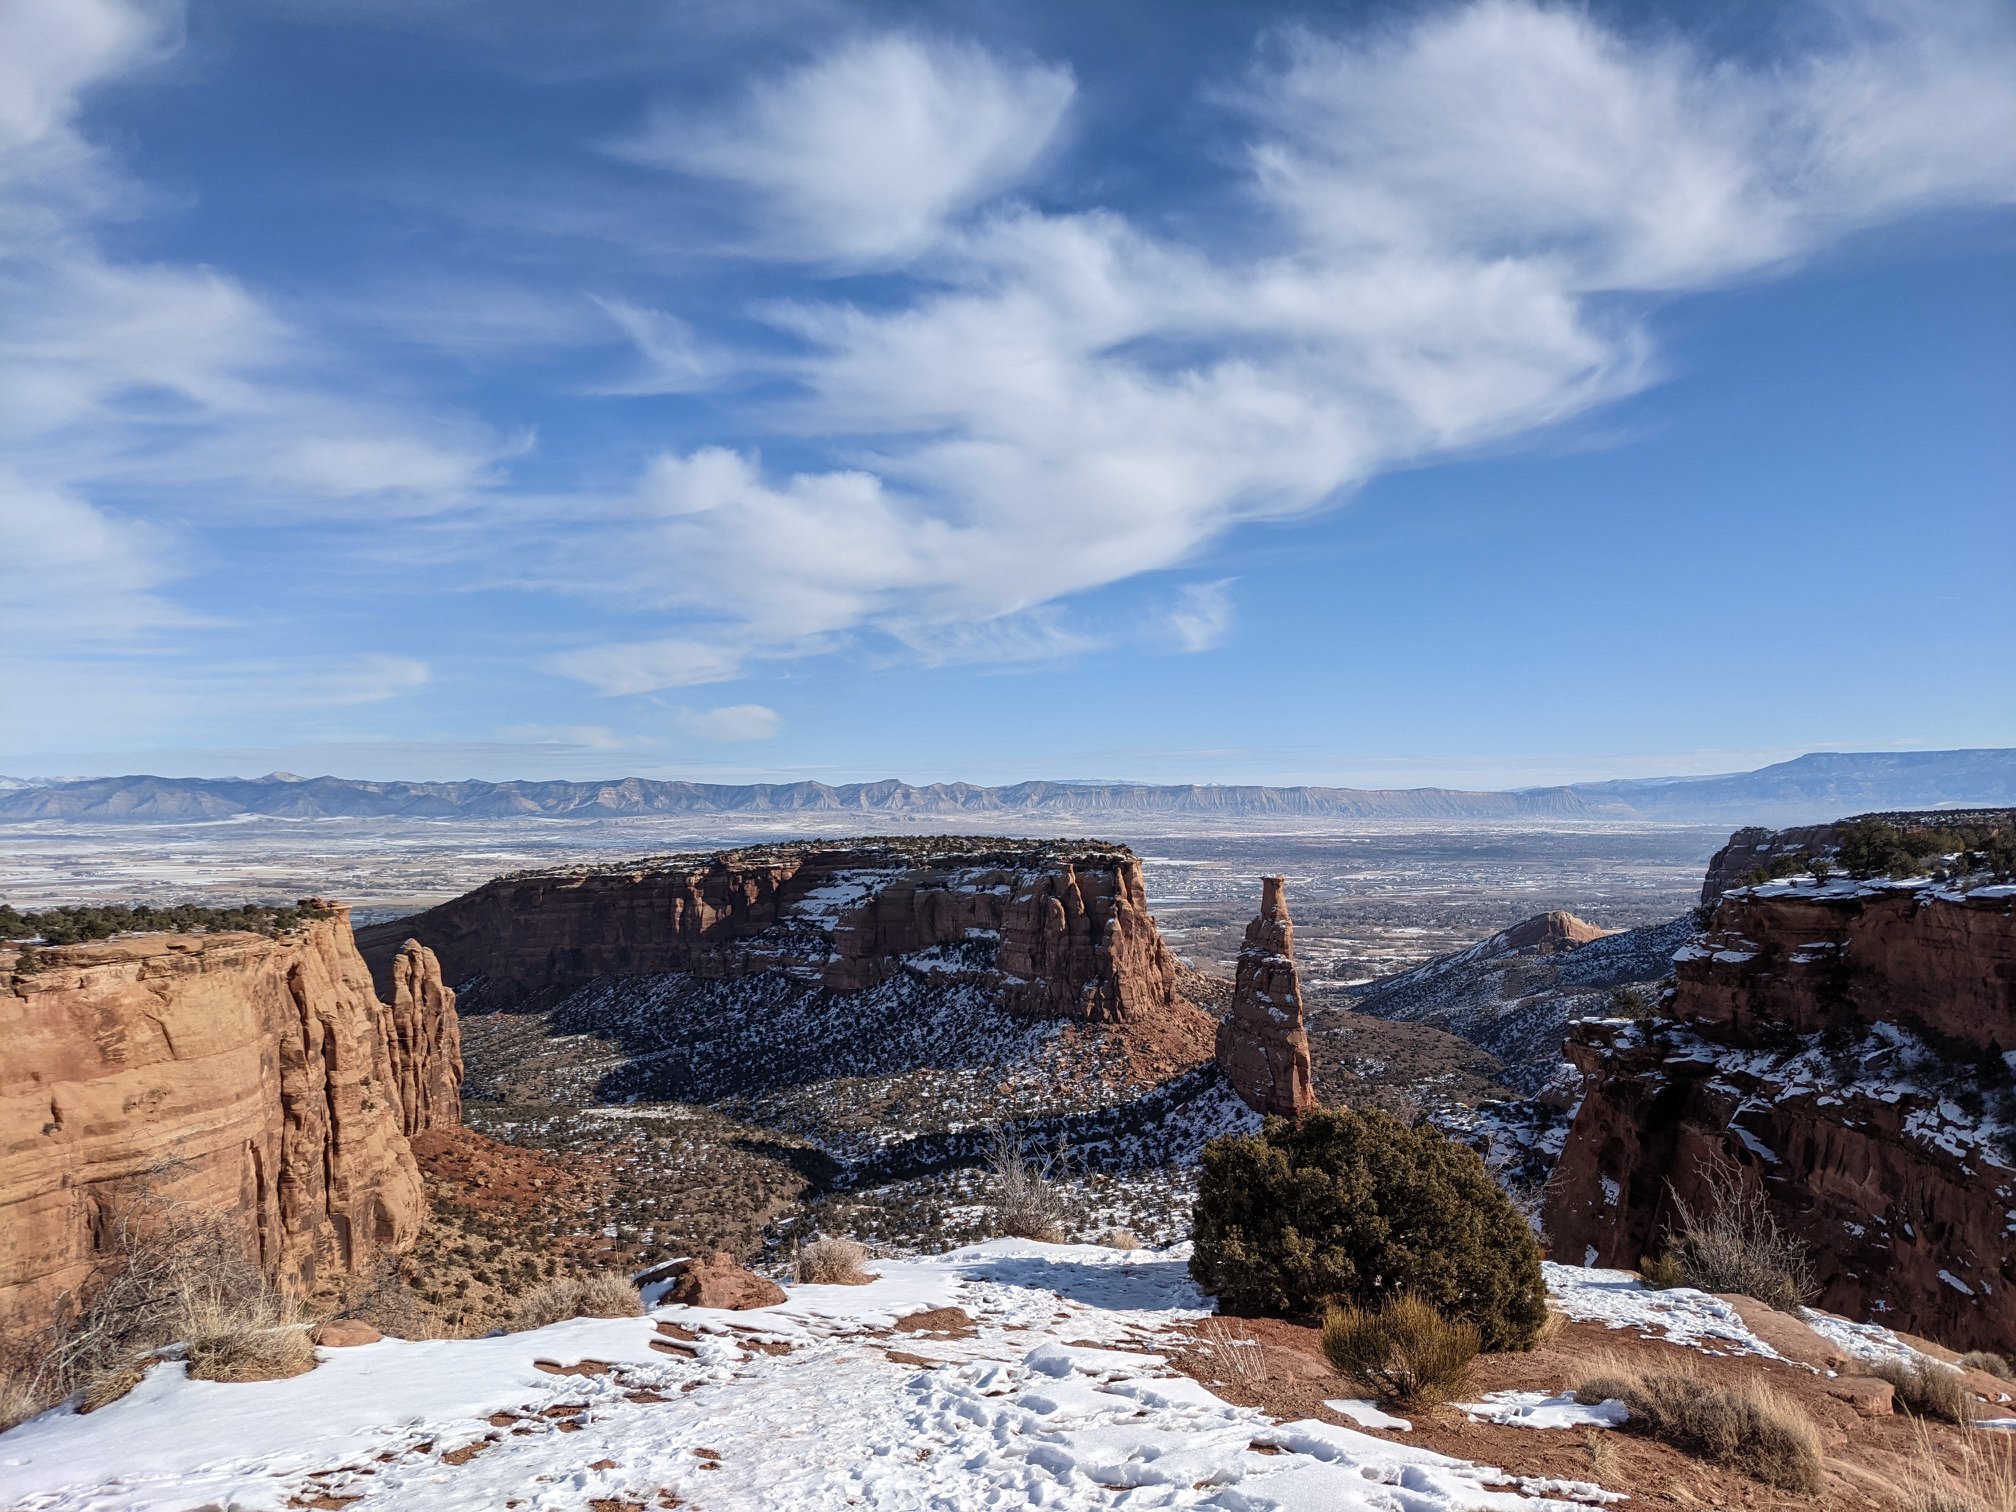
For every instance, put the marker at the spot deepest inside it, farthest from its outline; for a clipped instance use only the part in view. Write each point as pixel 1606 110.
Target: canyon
pixel 256 1081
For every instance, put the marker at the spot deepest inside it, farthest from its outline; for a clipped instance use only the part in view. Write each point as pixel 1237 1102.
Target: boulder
pixel 715 1280
pixel 1869 1397
pixel 344 1333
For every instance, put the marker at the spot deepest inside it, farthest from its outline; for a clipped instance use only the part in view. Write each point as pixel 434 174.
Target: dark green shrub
pixel 1352 1207
pixel 1406 1353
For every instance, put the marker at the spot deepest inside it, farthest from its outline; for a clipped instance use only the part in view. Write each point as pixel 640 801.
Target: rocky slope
pixel 1514 994
pixel 1841 1047
pixel 257 1079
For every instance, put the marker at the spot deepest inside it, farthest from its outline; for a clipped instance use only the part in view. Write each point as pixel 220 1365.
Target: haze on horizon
pixel 1486 394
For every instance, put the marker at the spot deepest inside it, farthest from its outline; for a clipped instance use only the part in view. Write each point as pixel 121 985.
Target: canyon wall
pixel 1839 1048
pixel 1057 930
pixel 257 1079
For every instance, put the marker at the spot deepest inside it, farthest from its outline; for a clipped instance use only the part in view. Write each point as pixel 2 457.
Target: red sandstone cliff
pixel 1066 925
pixel 1842 1047
pixel 1263 1045
pixel 240 1075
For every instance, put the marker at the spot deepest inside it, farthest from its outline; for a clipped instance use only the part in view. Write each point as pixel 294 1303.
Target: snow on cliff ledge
pixel 1056 1399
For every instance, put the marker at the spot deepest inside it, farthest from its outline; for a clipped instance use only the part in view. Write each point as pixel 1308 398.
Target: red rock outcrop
pixel 1840 1050
pixel 1058 931
pixel 715 1280
pixel 424 1044
pixel 1263 1045
pixel 1546 934
pixel 254 1078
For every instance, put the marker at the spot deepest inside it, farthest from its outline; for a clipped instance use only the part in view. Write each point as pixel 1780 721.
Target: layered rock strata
pixel 424 1042
pixel 1055 931
pixel 1263 1045
pixel 256 1080
pixel 1840 1049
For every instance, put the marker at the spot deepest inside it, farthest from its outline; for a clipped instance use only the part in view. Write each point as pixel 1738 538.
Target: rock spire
pixel 1263 1045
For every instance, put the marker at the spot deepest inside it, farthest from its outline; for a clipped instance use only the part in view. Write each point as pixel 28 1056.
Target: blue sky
pixel 1483 393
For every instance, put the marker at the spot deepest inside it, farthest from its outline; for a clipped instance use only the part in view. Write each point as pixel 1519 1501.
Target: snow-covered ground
pixel 1057 1398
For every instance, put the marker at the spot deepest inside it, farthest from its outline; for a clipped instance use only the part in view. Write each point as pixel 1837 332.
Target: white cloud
pixel 673 361
pixel 370 679
pixel 1455 226
pixel 647 666
pixel 863 155
pixel 1202 617
pixel 734 722
pixel 76 576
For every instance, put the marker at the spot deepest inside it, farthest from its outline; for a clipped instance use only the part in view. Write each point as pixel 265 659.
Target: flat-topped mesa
pixel 1841 1047
pixel 1263 1045
pixel 1056 929
pixel 237 1076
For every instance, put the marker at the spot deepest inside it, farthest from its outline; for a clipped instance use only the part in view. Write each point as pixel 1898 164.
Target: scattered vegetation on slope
pixel 72 925
pixel 1355 1208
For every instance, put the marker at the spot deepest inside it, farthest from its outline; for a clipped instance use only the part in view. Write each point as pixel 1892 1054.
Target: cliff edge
pixel 251 1077
pixel 1842 1046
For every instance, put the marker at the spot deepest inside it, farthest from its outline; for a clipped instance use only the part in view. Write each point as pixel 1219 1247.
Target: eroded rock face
pixel 1055 931
pixel 1839 1048
pixel 425 1043
pixel 1263 1045
pixel 258 1079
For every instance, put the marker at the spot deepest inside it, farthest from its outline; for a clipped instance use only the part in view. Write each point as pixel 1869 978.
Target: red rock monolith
pixel 1263 1045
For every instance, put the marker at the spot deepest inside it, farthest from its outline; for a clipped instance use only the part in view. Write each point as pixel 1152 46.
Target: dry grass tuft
pixel 18 1401
pixel 832 1261
pixel 1978 1474
pixel 1927 1389
pixel 1986 1359
pixel 1121 1239
pixel 1406 1353
pixel 1238 1359
pixel 1028 1203
pixel 1750 1428
pixel 1735 1244
pixel 603 1295
pixel 231 1349
pixel 166 1275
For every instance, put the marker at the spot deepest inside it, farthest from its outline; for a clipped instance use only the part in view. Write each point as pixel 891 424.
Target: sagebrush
pixel 165 1275
pixel 1352 1207
pixel 1926 1389
pixel 1734 1243
pixel 602 1295
pixel 1028 1203
pixel 1405 1353
pixel 833 1261
pixel 1750 1428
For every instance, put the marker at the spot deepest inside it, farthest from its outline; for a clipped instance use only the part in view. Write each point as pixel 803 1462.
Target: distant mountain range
pixel 1812 788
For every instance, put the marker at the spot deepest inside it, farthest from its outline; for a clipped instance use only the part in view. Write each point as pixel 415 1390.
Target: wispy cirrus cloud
pixel 1458 224
pixel 864 155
